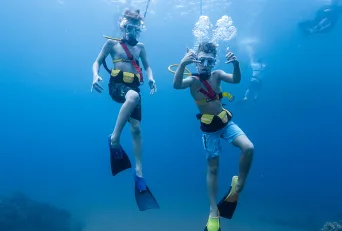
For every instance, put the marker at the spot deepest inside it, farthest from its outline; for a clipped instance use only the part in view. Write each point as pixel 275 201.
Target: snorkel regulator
pixel 131 28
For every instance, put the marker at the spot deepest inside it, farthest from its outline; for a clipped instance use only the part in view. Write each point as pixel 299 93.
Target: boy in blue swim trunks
pixel 215 121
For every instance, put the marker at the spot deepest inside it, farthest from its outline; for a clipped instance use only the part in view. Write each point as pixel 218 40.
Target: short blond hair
pixel 133 15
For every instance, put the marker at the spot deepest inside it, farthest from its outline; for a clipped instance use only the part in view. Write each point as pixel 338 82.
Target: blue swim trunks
pixel 211 140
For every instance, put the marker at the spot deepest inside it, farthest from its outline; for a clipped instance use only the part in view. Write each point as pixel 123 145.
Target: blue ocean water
pixel 54 130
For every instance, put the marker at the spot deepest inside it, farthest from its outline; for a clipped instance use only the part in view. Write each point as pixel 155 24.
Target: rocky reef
pixel 332 226
pixel 20 213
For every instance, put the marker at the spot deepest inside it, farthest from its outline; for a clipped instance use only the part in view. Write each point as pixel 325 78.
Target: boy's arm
pixel 231 78
pixel 178 81
pixel 102 56
pixel 145 63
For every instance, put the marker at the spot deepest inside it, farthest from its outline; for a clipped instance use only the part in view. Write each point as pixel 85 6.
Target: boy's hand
pixel 153 86
pixel 190 57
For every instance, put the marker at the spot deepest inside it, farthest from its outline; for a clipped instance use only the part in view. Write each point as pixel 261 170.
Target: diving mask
pixel 207 61
pixel 131 29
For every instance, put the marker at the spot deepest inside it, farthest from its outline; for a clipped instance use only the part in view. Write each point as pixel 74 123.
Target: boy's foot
pixel 140 183
pixel 213 224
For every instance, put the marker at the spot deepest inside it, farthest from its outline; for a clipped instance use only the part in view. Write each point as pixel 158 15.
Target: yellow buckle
pixel 223 116
pixel 115 72
pixel 128 77
pixel 117 60
pixel 229 96
pixel 207 118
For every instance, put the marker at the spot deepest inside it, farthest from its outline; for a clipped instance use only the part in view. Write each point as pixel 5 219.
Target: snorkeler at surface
pixel 124 83
pixel 325 19
pixel 255 83
pixel 216 123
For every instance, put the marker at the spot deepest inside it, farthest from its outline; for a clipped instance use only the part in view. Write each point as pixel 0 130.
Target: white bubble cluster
pixel 202 30
pixel 223 31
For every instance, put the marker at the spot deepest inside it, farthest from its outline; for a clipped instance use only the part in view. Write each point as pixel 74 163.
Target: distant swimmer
pixel 325 19
pixel 255 83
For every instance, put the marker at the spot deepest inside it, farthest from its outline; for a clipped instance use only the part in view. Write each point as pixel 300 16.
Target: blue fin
pixel 143 196
pixel 119 160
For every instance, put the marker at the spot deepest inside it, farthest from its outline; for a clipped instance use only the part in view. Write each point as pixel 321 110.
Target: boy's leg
pixel 135 121
pixel 211 143
pixel 212 177
pixel 131 100
pixel 246 158
pixel 236 136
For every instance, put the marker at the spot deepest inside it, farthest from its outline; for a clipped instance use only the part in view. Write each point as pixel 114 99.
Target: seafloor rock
pixel 20 213
pixel 332 226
